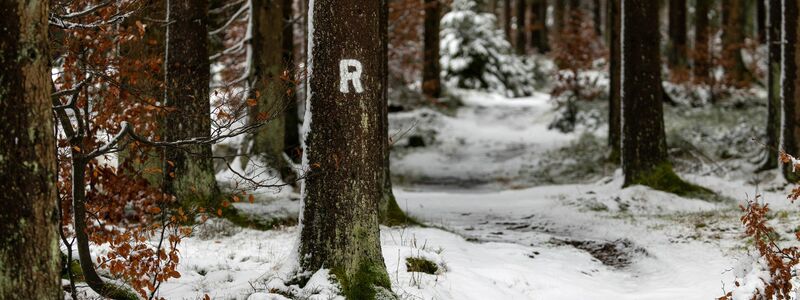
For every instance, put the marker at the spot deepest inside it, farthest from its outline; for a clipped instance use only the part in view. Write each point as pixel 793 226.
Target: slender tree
pixel 342 193
pixel 773 85
pixel 733 36
pixel 614 69
pixel 189 175
pixel 761 20
pixel 268 88
pixel 644 146
pixel 597 8
pixel 538 21
pixel 702 55
pixel 559 15
pixel 677 34
pixel 521 33
pixel 507 18
pixel 431 69
pixel 29 251
pixel 389 212
pixel 789 82
pixel 291 136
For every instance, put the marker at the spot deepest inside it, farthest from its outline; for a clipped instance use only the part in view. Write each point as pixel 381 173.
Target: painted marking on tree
pixel 346 75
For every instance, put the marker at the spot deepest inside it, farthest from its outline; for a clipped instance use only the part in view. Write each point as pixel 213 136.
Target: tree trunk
pixel 539 26
pixel 291 136
pixel 614 69
pixel 702 56
pixel 189 174
pixel 345 146
pixel 597 14
pixel 790 80
pixel 143 85
pixel 268 89
pixel 643 140
pixel 507 18
pixel 733 29
pixel 431 84
pixel 389 212
pixel 521 32
pixel 93 280
pixel 29 251
pixel 677 34
pixel 761 20
pixel 559 15
pixel 773 86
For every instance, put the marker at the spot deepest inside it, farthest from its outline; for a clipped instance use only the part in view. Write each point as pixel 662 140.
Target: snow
pixel 517 211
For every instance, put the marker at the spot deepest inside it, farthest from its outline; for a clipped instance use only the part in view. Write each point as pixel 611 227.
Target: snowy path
pixel 649 256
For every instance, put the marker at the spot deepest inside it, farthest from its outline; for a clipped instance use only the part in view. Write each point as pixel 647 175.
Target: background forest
pixel 399 149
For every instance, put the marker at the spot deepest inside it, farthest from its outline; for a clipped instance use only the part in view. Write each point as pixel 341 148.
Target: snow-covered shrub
pixel 476 55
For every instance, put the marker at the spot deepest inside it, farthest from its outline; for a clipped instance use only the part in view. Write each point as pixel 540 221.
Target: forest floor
pixel 517 211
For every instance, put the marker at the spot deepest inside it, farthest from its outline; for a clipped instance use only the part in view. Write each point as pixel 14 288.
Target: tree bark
pixel 677 34
pixel 29 247
pixel 539 26
pixel 345 147
pixel 643 140
pixel 521 32
pixel 702 56
pixel 189 175
pixel 773 85
pixel 733 29
pixel 614 69
pixel 431 69
pixel 790 80
pixel 268 88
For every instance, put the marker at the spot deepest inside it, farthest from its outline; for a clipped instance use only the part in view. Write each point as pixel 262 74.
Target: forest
pixel 399 149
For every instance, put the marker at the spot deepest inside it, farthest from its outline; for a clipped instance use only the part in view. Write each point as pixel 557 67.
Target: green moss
pixel 419 264
pixel 74 266
pixel 663 178
pixel 392 215
pixel 367 283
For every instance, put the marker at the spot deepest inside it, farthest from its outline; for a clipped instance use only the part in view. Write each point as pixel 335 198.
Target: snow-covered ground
pixel 517 211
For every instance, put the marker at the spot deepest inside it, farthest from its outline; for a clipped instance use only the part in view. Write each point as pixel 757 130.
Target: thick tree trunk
pixel 643 141
pixel 614 69
pixel 733 29
pixel 29 251
pixel 189 175
pixel 701 56
pixel 677 34
pixel 539 26
pixel 521 33
pixel 790 80
pixel 268 88
pixel 345 147
pixel 507 18
pixel 291 136
pixel 773 85
pixel 431 84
